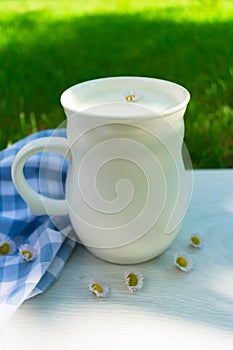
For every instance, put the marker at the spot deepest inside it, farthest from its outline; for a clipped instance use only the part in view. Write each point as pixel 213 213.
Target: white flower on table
pixel 183 261
pixel 196 240
pixel 27 252
pixel 133 280
pixel 7 246
pixel 99 287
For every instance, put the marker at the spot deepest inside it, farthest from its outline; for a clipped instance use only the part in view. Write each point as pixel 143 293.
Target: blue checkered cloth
pixel 20 280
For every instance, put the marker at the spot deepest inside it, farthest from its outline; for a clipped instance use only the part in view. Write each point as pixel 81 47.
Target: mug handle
pixel 38 203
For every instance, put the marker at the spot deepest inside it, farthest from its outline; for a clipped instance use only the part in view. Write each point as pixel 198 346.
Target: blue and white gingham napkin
pixel 19 279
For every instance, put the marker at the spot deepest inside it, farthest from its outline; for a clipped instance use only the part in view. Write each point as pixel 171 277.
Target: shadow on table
pixel 203 297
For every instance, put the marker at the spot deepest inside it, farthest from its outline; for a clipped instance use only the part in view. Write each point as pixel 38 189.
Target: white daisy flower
pixel 7 246
pixel 196 240
pixel 131 95
pixel 133 280
pixel 27 252
pixel 99 287
pixel 183 261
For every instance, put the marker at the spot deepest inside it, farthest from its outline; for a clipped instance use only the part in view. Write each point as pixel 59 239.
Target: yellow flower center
pixel 196 240
pixel 5 248
pixel 132 280
pixel 97 287
pixel 130 97
pixel 181 261
pixel 27 254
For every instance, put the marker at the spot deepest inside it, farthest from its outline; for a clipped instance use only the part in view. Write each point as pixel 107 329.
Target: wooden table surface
pixel 174 310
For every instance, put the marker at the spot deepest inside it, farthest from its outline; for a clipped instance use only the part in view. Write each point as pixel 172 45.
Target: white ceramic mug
pixel 126 187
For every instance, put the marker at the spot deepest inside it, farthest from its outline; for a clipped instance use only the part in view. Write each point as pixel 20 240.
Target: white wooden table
pixel 174 310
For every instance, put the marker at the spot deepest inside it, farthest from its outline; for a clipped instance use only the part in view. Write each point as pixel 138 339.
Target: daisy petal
pixel 27 252
pixel 99 287
pixel 131 95
pixel 183 261
pixel 7 246
pixel 196 240
pixel 133 280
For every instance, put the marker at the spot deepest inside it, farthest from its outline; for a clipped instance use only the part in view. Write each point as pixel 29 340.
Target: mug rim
pixel 151 113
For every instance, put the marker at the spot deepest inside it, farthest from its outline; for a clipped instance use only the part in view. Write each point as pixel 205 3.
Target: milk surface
pixel 108 98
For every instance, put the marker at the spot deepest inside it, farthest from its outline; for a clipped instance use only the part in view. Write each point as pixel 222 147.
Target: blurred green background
pixel 47 46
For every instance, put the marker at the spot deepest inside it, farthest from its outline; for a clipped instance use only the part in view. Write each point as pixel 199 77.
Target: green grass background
pixel 47 46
